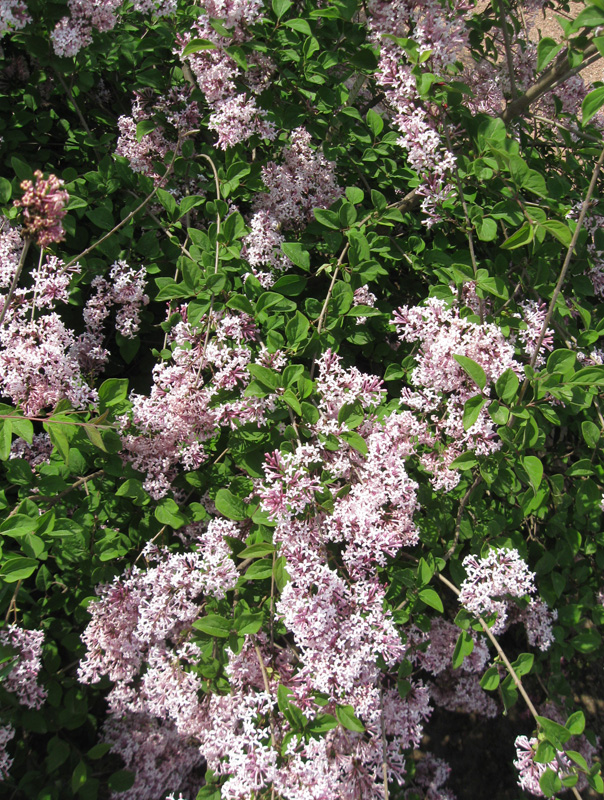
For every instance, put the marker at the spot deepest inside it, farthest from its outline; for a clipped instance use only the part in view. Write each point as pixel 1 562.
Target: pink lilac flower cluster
pixel 11 246
pixel 162 759
pixel 74 32
pixel 531 771
pixel 495 578
pixel 22 680
pixel 235 115
pixel 7 732
pixel 303 180
pixel 13 16
pixel 43 204
pixel 38 359
pixel 455 690
pixel 125 288
pixel 430 775
pixel 142 152
pixel 363 297
pixel 533 314
pixel 491 580
pixel 444 386
pixel 439 29
pixel 171 425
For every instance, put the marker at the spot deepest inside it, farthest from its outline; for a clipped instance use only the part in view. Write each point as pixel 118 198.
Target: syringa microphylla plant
pixel 301 377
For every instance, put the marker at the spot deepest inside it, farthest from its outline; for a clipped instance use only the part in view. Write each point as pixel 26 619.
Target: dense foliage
pixel 300 359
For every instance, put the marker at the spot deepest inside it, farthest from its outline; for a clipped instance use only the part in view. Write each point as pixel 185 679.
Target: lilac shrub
pixel 301 420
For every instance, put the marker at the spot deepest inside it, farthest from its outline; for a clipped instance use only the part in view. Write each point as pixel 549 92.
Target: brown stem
pixel 508 51
pixel 384 751
pixel 26 244
pixel 132 214
pixel 558 72
pixel 12 606
pixel 460 510
pixel 267 687
pixel 563 271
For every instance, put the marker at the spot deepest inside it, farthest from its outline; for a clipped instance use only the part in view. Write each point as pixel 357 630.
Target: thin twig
pixel 12 606
pixel 508 51
pixel 558 72
pixel 26 244
pixel 469 226
pixel 460 510
pixel 267 687
pixel 563 271
pixel 132 214
pixel 384 751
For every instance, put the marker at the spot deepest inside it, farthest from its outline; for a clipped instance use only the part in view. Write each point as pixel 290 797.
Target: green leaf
pixel 113 391
pixel 297 254
pixel 257 550
pixel 354 194
pixel 550 783
pixel 280 7
pixel 521 237
pixel 122 780
pixel 463 648
pixel 266 376
pixel 507 386
pixel 556 734
pixel 6 438
pixel 547 49
pixel 168 513
pixel 167 200
pixel 144 127
pixel 6 190
pixel 375 123
pixel 347 719
pixel 93 433
pixel 249 622
pixel 352 414
pixel 355 441
pixel 79 776
pixel 214 625
pixel 576 723
pixel 322 723
pixel 590 17
pixel 473 370
pixel 329 219
pixel 545 753
pixel 490 680
pixel 534 469
pixel 189 202
pixel 229 505
pixel 259 570
pixel 18 569
pixel 587 641
pixel 562 362
pixel 195 45
pixel 559 230
pixel 299 25
pixel 431 598
pixel 487 229
pixel 101 217
pixel 592 103
pixel 578 759
pixel 464 461
pixel 589 376
pixel 523 664
pixel 591 434
pixel 296 330
pixel 471 410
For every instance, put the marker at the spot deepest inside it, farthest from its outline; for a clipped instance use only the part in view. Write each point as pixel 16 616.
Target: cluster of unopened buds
pixel 43 205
